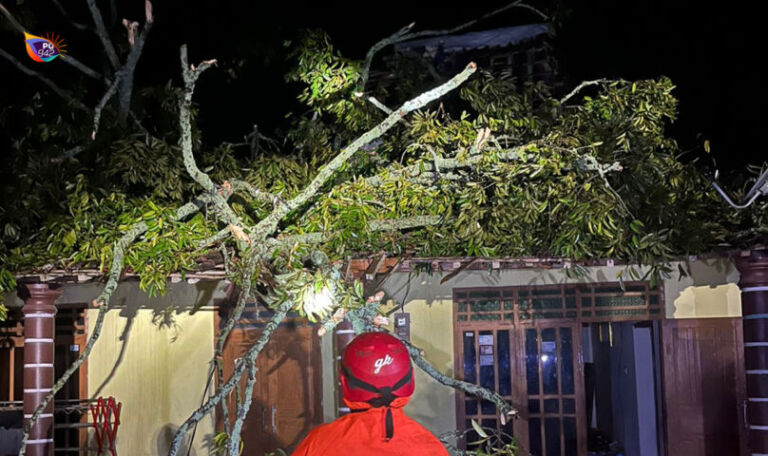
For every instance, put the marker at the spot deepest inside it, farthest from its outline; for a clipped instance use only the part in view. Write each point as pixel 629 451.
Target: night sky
pixel 712 53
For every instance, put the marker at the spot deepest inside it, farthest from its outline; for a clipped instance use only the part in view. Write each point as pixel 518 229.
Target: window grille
pixel 581 302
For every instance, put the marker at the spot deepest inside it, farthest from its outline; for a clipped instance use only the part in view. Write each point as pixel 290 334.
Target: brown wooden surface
pixel 288 391
pixel 703 387
pixel 519 395
pixel 522 425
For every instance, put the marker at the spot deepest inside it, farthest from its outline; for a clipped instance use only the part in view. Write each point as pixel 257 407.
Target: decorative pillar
pixel 344 335
pixel 754 309
pixel 39 330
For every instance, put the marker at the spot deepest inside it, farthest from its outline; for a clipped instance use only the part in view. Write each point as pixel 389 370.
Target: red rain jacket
pixel 363 433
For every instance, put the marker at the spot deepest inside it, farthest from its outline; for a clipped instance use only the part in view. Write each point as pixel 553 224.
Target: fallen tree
pixel 519 172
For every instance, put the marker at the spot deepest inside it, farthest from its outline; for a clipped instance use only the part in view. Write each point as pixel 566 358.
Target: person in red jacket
pixel 377 381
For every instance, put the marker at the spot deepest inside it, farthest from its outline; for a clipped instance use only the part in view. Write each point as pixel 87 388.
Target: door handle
pixel 273 409
pixel 263 419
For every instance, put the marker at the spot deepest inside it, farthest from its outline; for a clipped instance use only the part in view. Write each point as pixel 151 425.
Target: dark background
pixel 711 52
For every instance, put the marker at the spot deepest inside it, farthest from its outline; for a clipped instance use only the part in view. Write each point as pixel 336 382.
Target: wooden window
pixel 580 302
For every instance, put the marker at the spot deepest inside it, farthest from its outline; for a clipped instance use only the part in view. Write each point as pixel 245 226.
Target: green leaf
pixel 70 238
pixel 478 429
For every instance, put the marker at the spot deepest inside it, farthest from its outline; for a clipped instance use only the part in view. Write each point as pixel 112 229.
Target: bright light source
pixel 544 358
pixel 318 303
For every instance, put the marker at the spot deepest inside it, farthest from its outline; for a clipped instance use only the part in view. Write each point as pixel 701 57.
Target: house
pixel 522 50
pixel 588 362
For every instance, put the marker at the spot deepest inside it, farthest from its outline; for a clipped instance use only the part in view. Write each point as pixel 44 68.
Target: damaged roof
pixel 499 37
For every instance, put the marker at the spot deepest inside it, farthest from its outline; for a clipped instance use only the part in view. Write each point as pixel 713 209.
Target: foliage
pixel 484 441
pixel 509 169
pixel 219 447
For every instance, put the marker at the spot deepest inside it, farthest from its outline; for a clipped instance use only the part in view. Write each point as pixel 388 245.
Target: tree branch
pixel 580 87
pixel 12 19
pixel 69 58
pixel 242 412
pixel 266 226
pixel 444 164
pixel 99 107
pixel 64 13
pixel 51 85
pixel 101 32
pixel 85 69
pixel 125 75
pixel 103 301
pixel 373 225
pixel 250 267
pixel 190 74
pixel 404 35
pixel 247 360
pixel 260 195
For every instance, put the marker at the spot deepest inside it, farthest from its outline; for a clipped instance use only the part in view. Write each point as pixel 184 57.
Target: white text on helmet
pixel 381 362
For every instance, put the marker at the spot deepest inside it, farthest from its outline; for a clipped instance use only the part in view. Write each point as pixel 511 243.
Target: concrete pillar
pixel 754 308
pixel 39 330
pixel 344 335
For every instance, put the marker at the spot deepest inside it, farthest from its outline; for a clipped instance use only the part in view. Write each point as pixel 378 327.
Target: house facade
pixel 593 366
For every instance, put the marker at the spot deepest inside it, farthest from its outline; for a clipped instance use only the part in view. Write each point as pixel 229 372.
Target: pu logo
pixel 381 362
pixel 45 49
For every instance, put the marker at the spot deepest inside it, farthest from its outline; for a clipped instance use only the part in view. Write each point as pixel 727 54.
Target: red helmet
pixel 376 368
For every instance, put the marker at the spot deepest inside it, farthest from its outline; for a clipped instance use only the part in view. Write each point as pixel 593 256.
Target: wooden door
pixel 552 422
pixel 287 395
pixel 538 369
pixel 703 387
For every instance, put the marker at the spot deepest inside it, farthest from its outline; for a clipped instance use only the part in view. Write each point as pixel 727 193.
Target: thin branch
pixel 373 225
pixel 64 13
pixel 458 28
pixel 378 46
pixel 250 268
pixel 247 360
pixel 85 69
pixel 125 75
pixel 12 19
pixel 505 408
pixel 384 108
pixel 71 153
pixel 260 195
pixel 99 107
pixel 580 87
pixel 51 85
pixel 379 105
pixel 266 226
pixel 404 35
pixel 242 412
pixel 191 74
pixel 101 32
pixel 413 171
pixel 215 239
pixel 69 59
pixel 104 302
pixel 131 27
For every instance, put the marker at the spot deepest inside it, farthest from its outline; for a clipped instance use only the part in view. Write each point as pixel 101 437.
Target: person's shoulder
pixel 422 438
pixel 321 437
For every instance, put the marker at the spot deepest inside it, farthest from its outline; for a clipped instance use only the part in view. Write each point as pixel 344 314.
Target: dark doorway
pixel 620 378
